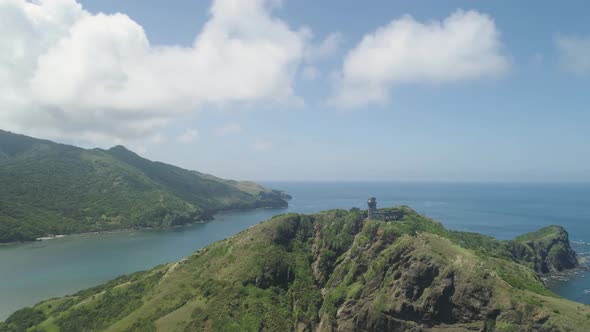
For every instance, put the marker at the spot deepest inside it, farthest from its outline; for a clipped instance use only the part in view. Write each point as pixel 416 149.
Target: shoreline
pixel 112 231
pixel 553 279
pixel 50 237
pixel 122 230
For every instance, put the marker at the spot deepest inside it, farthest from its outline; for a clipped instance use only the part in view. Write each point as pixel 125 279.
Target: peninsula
pixel 336 270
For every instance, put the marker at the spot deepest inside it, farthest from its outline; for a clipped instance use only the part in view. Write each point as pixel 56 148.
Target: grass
pixel 294 271
pixel 544 233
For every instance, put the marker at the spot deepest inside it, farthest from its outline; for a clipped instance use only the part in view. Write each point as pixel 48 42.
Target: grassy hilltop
pixel 334 271
pixel 49 188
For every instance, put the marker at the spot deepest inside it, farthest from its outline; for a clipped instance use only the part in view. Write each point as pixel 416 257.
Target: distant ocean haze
pixel 35 271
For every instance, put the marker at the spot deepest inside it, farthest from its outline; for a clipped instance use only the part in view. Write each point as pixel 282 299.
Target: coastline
pixel 553 279
pixel 122 230
pixel 109 231
pixel 50 237
pixel 113 231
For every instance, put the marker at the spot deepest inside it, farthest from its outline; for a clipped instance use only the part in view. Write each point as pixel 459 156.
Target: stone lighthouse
pixel 372 202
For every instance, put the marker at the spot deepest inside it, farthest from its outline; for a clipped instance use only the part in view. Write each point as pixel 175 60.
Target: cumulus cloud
pixel 466 45
pixel 67 72
pixel 188 136
pixel 574 52
pixel 228 129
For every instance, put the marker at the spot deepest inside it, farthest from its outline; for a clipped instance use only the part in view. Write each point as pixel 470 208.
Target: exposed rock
pixel 548 250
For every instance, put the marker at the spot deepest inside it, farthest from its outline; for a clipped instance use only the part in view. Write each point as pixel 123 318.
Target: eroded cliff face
pixel 391 280
pixel 411 290
pixel 547 250
pixel 421 283
pixel 335 271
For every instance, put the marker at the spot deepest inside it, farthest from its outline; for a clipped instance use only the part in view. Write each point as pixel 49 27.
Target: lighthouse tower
pixel 372 202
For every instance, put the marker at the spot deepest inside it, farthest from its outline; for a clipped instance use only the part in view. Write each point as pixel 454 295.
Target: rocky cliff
pixel 547 250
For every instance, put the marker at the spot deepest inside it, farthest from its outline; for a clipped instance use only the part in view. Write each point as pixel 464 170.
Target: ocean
pixel 35 271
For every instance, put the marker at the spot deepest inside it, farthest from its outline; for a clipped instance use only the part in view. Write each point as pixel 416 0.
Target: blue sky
pixel 521 117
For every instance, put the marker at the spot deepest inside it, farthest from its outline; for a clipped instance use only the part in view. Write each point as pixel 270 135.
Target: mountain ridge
pixel 50 188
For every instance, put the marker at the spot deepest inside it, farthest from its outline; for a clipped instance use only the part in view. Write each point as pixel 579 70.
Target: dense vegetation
pixel 49 188
pixel 329 271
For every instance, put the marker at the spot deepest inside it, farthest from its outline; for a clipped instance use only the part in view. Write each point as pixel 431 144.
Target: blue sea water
pixel 32 272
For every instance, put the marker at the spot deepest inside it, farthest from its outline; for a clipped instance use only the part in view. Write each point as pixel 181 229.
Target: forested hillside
pixel 49 188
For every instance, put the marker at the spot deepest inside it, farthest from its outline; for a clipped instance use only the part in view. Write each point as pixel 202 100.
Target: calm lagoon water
pixel 35 271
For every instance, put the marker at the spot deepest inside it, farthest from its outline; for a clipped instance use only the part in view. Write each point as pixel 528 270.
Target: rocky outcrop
pixel 274 199
pixel 546 251
pixel 410 291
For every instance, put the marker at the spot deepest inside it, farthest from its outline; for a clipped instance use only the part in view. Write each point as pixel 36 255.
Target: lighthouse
pixel 372 202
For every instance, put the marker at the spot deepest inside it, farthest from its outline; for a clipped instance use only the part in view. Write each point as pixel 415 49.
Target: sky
pixel 308 90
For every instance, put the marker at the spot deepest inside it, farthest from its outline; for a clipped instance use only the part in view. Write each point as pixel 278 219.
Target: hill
pixel 49 188
pixel 333 271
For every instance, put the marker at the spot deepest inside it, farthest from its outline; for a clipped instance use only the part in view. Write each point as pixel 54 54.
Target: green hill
pixel 330 271
pixel 49 188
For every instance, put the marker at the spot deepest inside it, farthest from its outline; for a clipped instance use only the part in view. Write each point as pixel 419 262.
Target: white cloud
pixel 229 129
pixel 310 73
pixel 188 136
pixel 66 72
pixel 466 45
pixel 574 52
